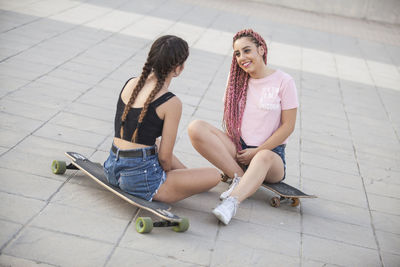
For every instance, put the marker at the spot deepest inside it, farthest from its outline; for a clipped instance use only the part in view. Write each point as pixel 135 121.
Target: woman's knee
pixel 264 155
pixel 209 178
pixel 196 129
pixel 216 175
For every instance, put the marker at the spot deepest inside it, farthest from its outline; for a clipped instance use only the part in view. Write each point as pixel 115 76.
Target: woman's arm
pixel 176 163
pixel 173 111
pixel 288 122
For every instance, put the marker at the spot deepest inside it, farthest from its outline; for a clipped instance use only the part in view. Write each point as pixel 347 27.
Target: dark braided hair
pixel 236 91
pixel 166 53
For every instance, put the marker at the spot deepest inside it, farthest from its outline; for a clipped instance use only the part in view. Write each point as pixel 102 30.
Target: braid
pixel 157 88
pixel 143 77
pixel 236 91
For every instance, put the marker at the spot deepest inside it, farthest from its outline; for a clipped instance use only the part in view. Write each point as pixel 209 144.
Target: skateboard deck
pixel 285 192
pixel 143 224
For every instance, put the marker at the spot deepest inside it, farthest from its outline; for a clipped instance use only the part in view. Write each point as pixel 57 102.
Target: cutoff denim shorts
pixel 280 150
pixel 139 176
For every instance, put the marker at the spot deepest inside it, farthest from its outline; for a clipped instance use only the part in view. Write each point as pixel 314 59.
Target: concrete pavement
pixel 62 65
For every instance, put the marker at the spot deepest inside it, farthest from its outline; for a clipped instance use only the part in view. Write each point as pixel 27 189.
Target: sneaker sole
pixel 220 217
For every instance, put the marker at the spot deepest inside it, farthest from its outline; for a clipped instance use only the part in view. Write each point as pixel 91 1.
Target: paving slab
pixel 31 186
pixel 242 255
pixel 187 247
pixel 93 198
pixel 390 259
pixel 78 222
pixel 8 229
pixel 19 209
pixel 386 222
pixel 338 253
pixel 58 248
pixel 130 257
pixel 7 260
pixel 338 231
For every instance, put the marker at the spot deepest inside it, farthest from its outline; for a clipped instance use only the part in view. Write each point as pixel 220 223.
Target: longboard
pixel 285 192
pixel 143 224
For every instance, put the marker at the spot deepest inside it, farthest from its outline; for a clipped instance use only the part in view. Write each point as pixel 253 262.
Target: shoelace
pixel 235 181
pixel 233 202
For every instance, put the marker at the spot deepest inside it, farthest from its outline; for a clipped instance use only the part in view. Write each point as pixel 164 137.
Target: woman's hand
pixel 246 155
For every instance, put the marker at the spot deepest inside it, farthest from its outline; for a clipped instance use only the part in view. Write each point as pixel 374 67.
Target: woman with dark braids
pixel 146 110
pixel 259 115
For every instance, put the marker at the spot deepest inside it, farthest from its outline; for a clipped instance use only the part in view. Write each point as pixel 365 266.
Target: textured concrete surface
pixel 62 65
pixel 386 11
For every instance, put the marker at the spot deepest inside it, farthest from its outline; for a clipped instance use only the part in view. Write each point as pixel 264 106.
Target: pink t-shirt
pixel 266 98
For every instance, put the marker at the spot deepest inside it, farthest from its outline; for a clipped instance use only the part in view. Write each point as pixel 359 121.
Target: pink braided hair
pixel 236 91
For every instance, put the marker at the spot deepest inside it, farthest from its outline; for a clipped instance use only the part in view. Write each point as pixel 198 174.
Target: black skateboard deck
pixel 285 192
pixel 143 224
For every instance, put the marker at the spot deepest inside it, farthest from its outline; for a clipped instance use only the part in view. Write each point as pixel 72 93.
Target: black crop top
pixel 151 126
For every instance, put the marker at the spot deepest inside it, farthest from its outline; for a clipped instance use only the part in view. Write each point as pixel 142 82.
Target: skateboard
pixel 143 224
pixel 286 193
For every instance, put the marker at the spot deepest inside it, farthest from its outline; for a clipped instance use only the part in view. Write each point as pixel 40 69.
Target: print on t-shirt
pixel 270 99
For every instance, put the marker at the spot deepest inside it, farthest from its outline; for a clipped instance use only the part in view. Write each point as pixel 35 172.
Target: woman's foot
pixel 226 210
pixel 227 193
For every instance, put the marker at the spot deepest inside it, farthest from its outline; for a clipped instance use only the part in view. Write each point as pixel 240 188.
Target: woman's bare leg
pixel 265 165
pixel 214 145
pixel 177 164
pixel 183 183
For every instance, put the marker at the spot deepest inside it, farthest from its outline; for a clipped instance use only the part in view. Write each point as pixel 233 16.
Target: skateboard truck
pixel 146 224
pixel 276 201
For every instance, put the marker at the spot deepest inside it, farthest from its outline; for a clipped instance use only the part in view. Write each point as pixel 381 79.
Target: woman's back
pixel 144 93
pixel 152 125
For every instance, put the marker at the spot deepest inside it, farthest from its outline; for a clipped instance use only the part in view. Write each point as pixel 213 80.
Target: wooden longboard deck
pixel 286 190
pixel 95 171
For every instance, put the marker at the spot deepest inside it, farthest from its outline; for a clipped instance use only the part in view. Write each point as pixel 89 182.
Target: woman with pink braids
pixel 259 115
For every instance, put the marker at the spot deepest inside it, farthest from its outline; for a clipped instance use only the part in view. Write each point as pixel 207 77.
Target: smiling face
pixel 248 56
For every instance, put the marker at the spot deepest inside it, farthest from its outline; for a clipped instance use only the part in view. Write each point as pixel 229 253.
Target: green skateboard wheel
pixel 144 225
pixel 58 167
pixel 182 226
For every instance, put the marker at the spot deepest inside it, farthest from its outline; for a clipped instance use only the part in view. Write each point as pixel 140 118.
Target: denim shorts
pixel 280 150
pixel 139 176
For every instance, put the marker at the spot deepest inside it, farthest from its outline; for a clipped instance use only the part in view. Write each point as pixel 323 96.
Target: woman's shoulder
pixel 173 99
pixel 171 104
pixel 168 99
pixel 128 87
pixel 131 81
pixel 276 76
pixel 284 76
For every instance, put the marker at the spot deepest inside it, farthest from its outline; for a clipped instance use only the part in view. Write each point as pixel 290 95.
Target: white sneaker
pixel 227 193
pixel 226 210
